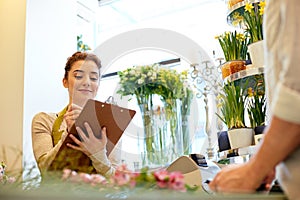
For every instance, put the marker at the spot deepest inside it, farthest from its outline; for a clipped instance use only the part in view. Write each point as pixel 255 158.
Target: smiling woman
pixel 49 130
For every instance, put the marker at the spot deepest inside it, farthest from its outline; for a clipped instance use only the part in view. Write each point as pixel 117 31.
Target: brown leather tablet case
pixel 97 114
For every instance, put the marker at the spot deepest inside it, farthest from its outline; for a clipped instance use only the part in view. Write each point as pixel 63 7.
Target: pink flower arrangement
pixel 123 177
pixel 3 177
pixel 74 177
pixel 170 180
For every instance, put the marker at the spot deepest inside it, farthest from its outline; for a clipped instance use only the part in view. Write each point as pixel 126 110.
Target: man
pixel 280 146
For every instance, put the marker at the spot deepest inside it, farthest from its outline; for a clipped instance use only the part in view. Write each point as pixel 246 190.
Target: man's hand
pixel 237 179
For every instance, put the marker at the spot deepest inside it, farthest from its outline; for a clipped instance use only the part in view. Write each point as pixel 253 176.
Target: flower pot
pixel 225 70
pixel 223 141
pixel 256 51
pixel 258 134
pixel 240 137
pixel 259 129
pixel 231 67
pixel 236 66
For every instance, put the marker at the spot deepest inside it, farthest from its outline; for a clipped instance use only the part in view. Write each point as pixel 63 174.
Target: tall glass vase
pixel 186 137
pixel 162 134
pixel 174 129
pixel 146 112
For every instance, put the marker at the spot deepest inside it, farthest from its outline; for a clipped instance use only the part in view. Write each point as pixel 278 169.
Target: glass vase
pixel 186 137
pixel 174 134
pixel 162 134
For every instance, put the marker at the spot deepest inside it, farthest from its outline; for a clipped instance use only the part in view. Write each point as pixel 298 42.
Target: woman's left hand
pixel 89 144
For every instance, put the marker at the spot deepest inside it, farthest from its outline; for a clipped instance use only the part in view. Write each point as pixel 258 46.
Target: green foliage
pixel 80 45
pixel 231 105
pixel 256 105
pixel 234 45
pixel 147 80
pixel 253 19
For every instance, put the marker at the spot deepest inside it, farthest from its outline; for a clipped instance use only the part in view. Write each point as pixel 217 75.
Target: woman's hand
pixel 72 114
pixel 89 144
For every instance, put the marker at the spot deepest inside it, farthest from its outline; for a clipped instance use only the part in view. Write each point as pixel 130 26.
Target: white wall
pixel 50 39
pixel 12 20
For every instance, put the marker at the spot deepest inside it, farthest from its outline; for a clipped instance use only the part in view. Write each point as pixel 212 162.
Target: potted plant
pixel 232 113
pixel 256 105
pixel 81 46
pixel 253 22
pixel 235 47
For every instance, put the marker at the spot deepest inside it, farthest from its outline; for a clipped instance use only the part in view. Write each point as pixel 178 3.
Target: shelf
pixel 250 71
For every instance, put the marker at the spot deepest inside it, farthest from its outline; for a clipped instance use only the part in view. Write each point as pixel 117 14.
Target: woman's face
pixel 82 82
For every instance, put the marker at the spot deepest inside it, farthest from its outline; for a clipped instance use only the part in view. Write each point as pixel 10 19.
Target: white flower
pixel 154 75
pixel 143 76
pixel 140 81
pixel 132 72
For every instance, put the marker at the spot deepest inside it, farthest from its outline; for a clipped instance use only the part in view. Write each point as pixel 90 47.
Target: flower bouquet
pixel 4 178
pixel 163 138
pixel 127 180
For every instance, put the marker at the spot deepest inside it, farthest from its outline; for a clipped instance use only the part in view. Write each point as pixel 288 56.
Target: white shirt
pixel 282 46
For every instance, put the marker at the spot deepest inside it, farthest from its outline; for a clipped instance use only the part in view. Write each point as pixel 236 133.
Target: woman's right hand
pixel 72 114
pixel 89 144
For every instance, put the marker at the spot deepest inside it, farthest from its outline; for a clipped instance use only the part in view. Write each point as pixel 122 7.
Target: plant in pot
pixel 256 105
pixel 253 25
pixel 235 47
pixel 232 113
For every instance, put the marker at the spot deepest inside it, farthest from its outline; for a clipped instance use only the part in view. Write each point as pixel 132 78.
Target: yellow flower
pixel 250 92
pixel 236 15
pixel 237 18
pixel 249 7
pixel 240 36
pixel 261 11
pixel 262 4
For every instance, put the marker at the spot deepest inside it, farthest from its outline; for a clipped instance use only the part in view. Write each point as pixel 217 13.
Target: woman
pixel 82 75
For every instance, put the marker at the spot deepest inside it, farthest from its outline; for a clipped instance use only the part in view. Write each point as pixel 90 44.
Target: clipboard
pixel 98 114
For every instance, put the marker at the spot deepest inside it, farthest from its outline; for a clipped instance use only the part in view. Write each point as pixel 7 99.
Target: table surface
pixel 74 194
pixel 64 190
